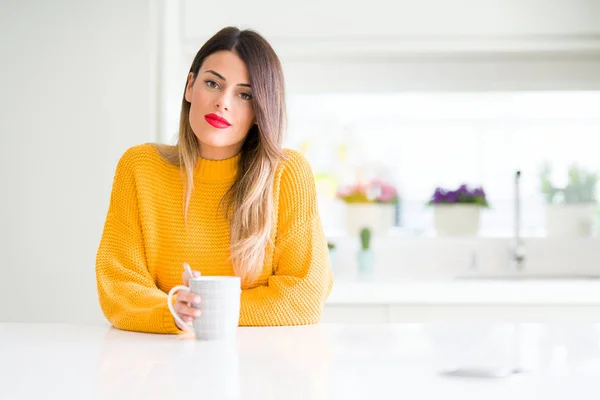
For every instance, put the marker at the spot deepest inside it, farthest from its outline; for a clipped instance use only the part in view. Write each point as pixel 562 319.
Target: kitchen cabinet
pixel 422 301
pixel 383 28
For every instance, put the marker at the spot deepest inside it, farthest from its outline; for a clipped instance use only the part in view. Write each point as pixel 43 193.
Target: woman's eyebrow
pixel 223 78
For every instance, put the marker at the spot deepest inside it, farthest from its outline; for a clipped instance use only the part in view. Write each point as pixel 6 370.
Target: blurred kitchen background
pixel 449 139
pixel 392 102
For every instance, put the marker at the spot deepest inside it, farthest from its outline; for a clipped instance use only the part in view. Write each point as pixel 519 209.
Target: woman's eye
pixel 246 96
pixel 211 84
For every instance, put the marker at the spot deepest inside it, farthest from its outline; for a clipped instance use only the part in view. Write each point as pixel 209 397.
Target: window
pixel 423 140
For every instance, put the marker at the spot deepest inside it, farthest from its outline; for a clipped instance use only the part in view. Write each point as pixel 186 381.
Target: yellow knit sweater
pixel 145 243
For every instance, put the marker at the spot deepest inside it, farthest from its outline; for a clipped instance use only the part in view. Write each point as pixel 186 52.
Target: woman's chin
pixel 214 139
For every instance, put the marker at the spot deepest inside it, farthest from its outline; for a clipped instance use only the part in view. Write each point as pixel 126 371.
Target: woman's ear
pixel 189 87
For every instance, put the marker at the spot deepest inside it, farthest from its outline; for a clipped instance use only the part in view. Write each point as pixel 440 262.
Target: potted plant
pixel 457 212
pixel 371 205
pixel 365 254
pixel 570 209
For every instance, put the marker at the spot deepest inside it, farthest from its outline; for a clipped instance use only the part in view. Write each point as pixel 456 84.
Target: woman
pixel 227 199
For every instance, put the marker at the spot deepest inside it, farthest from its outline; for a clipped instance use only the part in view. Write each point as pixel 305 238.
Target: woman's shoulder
pixel 144 156
pixel 135 152
pixel 295 169
pixel 294 162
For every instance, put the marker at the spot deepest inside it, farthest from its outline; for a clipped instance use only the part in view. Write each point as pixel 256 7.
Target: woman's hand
pixel 183 304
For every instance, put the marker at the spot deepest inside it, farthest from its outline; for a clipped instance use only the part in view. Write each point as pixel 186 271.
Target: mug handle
pixel 189 327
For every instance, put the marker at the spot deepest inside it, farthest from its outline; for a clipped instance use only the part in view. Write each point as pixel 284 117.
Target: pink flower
pixel 376 191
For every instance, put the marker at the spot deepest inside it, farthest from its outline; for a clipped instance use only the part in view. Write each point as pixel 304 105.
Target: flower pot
pixel 457 219
pixel 366 259
pixel 379 218
pixel 332 258
pixel 570 220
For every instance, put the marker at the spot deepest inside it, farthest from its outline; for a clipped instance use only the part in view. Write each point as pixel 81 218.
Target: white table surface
pixel 60 361
pixel 477 292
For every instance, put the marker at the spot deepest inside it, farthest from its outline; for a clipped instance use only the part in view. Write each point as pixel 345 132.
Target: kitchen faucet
pixel 517 252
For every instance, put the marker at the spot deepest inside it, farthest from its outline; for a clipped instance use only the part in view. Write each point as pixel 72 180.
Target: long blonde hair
pixel 248 204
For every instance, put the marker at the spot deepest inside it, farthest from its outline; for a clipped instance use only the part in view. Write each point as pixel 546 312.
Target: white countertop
pixel 479 292
pixel 55 361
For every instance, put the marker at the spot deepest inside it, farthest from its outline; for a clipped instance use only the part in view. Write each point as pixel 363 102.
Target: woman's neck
pixel 216 153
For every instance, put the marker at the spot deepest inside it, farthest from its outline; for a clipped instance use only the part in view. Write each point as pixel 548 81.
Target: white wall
pixel 78 88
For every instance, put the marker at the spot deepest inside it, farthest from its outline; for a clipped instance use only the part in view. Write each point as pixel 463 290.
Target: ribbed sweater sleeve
pixel 128 295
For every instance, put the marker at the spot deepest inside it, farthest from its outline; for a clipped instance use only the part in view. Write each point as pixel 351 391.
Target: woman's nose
pixel 223 102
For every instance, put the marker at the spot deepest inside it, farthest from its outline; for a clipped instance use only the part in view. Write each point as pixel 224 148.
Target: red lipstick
pixel 216 121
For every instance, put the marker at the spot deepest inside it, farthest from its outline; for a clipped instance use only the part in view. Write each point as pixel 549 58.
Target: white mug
pixel 220 306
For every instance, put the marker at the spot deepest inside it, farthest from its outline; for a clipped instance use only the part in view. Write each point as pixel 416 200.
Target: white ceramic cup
pixel 220 306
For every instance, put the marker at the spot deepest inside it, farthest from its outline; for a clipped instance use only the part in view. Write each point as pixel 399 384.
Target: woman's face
pixel 221 112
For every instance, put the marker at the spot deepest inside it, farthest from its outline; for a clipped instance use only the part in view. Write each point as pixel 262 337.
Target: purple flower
pixel 439 195
pixel 461 195
pixel 452 197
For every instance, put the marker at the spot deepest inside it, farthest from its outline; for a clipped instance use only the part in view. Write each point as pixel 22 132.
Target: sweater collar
pixel 217 170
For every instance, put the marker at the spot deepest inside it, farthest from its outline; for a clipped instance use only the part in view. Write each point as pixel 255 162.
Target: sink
pixel 527 277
